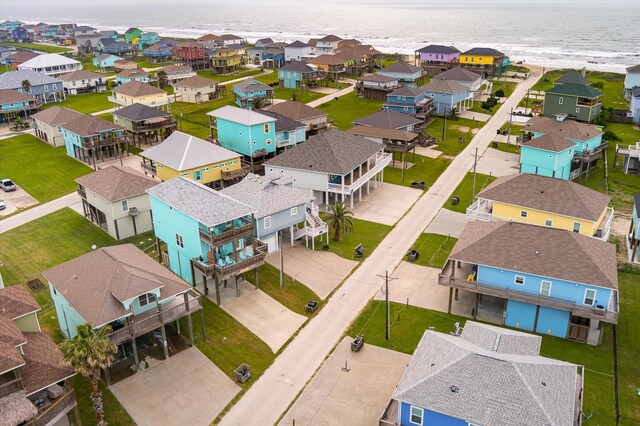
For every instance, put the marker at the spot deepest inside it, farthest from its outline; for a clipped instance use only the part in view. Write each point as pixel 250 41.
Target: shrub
pixel 500 93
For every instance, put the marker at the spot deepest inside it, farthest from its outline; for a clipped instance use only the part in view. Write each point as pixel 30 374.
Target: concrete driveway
pixel 498 163
pixel 357 397
pixel 321 271
pixel 479 116
pixel 260 313
pixel 186 389
pixel 448 222
pixel 427 152
pixel 386 204
pixel 15 200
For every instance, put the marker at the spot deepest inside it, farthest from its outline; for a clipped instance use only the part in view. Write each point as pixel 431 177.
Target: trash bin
pixel 413 255
pixel 455 201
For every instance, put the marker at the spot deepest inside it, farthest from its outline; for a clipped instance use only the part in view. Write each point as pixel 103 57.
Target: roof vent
pixel 537 252
pixel 454 388
pixel 544 384
pixel 542 192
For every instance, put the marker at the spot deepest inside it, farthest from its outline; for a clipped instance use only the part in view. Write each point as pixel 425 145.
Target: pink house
pixel 436 54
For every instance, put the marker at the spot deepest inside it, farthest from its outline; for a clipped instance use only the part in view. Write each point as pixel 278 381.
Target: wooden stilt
pixel 204 334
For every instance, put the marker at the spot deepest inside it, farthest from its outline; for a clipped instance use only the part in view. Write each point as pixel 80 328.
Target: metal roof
pixel 240 115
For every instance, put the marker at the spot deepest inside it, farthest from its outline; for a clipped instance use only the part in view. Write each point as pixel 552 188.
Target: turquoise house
pixel 147 39
pixel 559 147
pixel 91 139
pixel 136 74
pixel 249 91
pixel 105 61
pixel 250 133
pixel 207 237
pixel 289 132
pixel 298 74
pixel 563 292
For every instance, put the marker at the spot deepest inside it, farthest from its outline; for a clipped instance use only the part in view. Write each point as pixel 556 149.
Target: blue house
pixel 18 105
pixel 159 52
pixel 42 87
pixel 485 375
pixel 136 74
pixel 289 132
pixel 449 94
pixel 246 132
pixel 272 57
pixel 408 75
pixel 633 240
pixel 117 47
pixel 247 92
pixel 105 61
pixel 299 74
pixel 559 147
pixel 279 206
pixel 21 35
pixel 410 100
pixel 147 39
pixel 551 281
pixel 92 139
pixel 207 235
pixel 389 119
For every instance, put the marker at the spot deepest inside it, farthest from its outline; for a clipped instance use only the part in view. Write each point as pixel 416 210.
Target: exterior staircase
pixel 313 226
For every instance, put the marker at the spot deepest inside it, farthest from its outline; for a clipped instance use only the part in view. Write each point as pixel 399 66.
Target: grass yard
pixel 304 96
pixel 511 148
pixel 270 78
pixel 627 341
pixel 518 68
pixel 195 120
pixel 409 324
pixel 349 108
pixel 434 249
pixel 369 234
pixel 106 116
pixel 460 128
pixel 40 47
pixel 52 178
pixel 293 295
pixel 222 78
pixel 507 86
pixel 86 103
pixel 465 189
pixel 424 169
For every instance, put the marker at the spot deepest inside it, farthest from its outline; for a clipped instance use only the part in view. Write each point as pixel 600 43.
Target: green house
pixel 573 95
pixel 132 35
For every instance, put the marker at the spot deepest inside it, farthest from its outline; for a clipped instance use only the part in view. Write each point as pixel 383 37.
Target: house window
pixel 294 211
pixel 523 213
pixel 406 108
pixel 197 175
pixel 125 205
pixel 548 222
pixel 415 416
pixel 267 222
pixel 545 288
pixel 577 110
pixel 268 141
pixel 179 240
pixel 146 299
pixel 560 101
pixel 589 297
pixel 519 279
pixel 576 227
pixel 46 88
pixel 56 87
pixel 266 128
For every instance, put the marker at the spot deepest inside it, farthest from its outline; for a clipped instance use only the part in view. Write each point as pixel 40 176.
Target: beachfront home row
pixel 565 293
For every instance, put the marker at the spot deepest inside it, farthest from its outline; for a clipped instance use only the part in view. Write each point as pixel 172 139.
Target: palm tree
pixel 162 78
pixel 340 220
pixel 89 353
pixel 26 85
pixel 453 113
pixel 257 103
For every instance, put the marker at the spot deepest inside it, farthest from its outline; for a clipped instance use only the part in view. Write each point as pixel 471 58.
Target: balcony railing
pixel 382 160
pixel 317 126
pixel 238 173
pixel 220 238
pixel 607 314
pixel 604 230
pixel 101 142
pixel 150 320
pixel 230 270
pixel 593 154
pixel 61 404
pixel 81 192
pixel 146 167
pixel 155 126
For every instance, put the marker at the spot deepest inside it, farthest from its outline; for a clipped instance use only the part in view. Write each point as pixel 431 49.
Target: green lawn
pixel 223 78
pixel 477 107
pixel 86 103
pixel 507 86
pixel 511 148
pixel 106 116
pixel 41 47
pixel 518 68
pixel 270 78
pixel 409 324
pixel 293 295
pixel 424 169
pixel 195 120
pixel 369 234
pixel 628 343
pixel 54 174
pixel 465 189
pixel 349 108
pixel 143 63
pixel 434 249
pixel 304 96
pixel 460 128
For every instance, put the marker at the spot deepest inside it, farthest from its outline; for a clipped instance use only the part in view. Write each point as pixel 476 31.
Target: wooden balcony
pixel 148 168
pixel 390 415
pixel 244 169
pixel 459 279
pixel 138 325
pixel 237 268
pixel 165 124
pixel 591 155
pixel 62 404
pixel 102 142
pixel 224 236
pixel 81 192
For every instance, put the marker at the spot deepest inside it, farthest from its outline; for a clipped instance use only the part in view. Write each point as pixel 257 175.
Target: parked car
pixel 7 185
pixel 2 205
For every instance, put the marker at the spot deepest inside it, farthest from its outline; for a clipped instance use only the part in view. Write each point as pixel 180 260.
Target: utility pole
pixel 526 104
pixel 510 122
pixel 444 126
pixel 281 258
pixel 473 188
pixel 386 296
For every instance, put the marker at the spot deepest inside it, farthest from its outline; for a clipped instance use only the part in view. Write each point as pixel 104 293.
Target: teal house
pixel 105 61
pixel 289 132
pixel 92 139
pixel 136 74
pixel 205 237
pixel 246 132
pixel 299 74
pixel 573 95
pixel 249 92
pixel 559 147
pixel 147 39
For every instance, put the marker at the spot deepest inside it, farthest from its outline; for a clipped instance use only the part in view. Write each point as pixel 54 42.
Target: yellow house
pixel 135 92
pixel 184 155
pixel 545 201
pixel 228 59
pixel 489 62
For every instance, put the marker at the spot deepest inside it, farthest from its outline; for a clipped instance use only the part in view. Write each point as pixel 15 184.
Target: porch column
pixel 216 282
pixel 450 300
pixel 133 344
pixel 164 334
pixel 204 334
pixel 257 285
pixel 342 187
pixel 189 323
pixel 291 232
pixel 237 287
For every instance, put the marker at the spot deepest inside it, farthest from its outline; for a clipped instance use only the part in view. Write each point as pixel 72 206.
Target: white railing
pixel 574 174
pixel 478 212
pixel 606 226
pixel 382 160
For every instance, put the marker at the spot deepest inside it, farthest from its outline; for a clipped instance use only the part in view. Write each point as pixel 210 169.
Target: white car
pixel 2 205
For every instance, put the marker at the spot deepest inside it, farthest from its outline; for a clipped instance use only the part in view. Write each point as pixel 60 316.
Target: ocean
pixel 596 34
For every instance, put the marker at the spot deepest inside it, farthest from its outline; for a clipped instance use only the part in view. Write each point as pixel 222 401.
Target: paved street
pixel 37 212
pixel 270 396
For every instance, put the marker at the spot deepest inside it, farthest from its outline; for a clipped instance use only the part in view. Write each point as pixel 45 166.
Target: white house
pixel 328 43
pixel 83 81
pixel 296 51
pixel 197 89
pixel 51 64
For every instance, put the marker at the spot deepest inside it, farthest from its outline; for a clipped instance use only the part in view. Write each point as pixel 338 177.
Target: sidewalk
pixel 37 212
pixel 280 384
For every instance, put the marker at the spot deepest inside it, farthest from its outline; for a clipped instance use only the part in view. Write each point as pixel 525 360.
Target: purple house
pixel 436 58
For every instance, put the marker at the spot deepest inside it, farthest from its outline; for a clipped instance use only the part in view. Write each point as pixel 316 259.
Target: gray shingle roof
pixel 79 75
pixel 139 112
pixel 195 81
pixel 137 88
pixel 408 91
pixel 548 194
pixel 575 90
pixel 181 151
pixel 251 85
pixel 297 43
pixel 444 86
pixel 297 110
pixel 8 96
pixel 207 206
pixel 89 125
pixel 534 249
pixel 332 152
pixel 56 115
pixel 299 66
pixel 14 79
pixel 483 51
pixel 378 78
pixel 283 123
pixel 633 69
pixel 104 56
pixel 116 183
pixel 439 49
pixel 267 194
pixel 567 128
pixel 572 77
pixel 401 67
pixel 456 377
pixel 387 119
pixel 458 74
pixel 377 132
pixel 549 142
